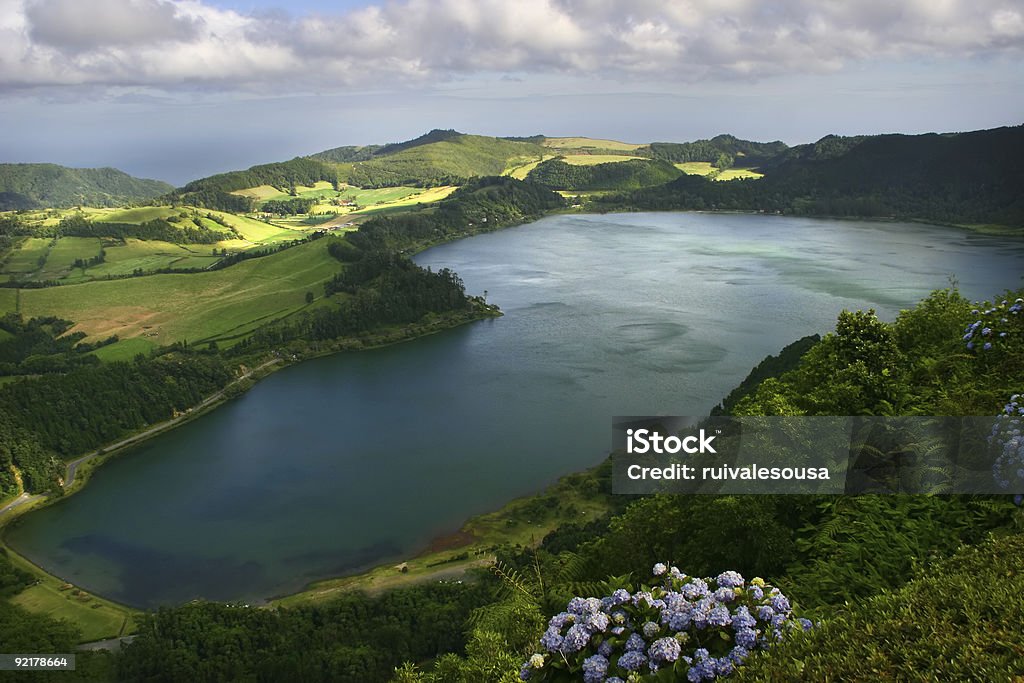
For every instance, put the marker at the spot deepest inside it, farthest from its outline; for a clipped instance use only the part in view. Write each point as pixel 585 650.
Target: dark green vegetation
pixel 772 366
pixel 965 178
pixel 722 150
pixel 959 620
pixel 624 175
pixel 355 638
pixel 29 186
pixel 54 417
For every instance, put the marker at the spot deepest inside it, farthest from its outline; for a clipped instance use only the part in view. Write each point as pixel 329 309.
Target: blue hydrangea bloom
pixel 595 668
pixel 632 660
pixel 635 642
pixel 730 579
pixel 664 650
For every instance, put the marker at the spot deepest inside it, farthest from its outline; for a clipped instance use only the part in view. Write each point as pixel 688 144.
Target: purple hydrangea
pixel 664 650
pixel 595 668
pixel 632 660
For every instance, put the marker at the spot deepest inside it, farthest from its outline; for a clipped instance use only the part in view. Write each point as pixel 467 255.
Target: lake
pixel 340 463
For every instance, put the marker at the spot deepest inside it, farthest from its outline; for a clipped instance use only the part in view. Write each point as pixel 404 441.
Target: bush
pixel 960 620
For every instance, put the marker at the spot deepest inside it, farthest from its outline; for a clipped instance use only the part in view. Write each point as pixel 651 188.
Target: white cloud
pixel 187 43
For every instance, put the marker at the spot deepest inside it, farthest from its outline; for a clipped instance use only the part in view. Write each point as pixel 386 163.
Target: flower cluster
pixel 1008 439
pixel 992 324
pixel 700 629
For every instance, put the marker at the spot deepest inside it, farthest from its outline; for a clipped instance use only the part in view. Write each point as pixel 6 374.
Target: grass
pixel 167 308
pixel 429 196
pixel 521 171
pixel 592 159
pixel 97 618
pixel 705 168
pixel 67 250
pixel 26 258
pixel 142 214
pixel 8 299
pixel 593 143
pixel 260 193
pixel 124 349
pixel 735 173
pixel 696 168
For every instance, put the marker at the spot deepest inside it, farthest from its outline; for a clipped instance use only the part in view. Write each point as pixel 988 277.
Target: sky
pixel 181 89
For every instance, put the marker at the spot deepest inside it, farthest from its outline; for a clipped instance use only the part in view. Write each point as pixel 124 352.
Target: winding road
pixel 72 466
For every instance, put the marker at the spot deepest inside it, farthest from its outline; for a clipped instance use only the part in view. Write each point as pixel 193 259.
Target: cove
pixel 344 462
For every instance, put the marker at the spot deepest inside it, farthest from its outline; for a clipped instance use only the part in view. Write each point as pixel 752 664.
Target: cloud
pixel 78 26
pixel 174 44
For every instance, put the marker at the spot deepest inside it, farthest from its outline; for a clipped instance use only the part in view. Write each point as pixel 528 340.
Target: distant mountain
pixel 30 186
pixel 966 178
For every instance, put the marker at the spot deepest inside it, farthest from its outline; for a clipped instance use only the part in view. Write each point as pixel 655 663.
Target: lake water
pixel 344 462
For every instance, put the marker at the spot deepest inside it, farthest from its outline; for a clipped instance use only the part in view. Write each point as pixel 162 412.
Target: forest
pixel 967 178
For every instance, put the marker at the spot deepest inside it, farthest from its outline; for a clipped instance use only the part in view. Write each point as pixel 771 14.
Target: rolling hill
pixel 32 186
pixel 971 178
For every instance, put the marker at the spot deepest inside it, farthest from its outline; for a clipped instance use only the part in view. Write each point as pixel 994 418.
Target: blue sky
pixel 178 89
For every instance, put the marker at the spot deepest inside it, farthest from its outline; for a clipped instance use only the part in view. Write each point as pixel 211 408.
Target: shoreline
pixel 79 470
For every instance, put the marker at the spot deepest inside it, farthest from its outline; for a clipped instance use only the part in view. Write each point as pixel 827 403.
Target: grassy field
pixel 200 306
pixel 591 159
pixel 67 250
pixel 735 173
pixel 138 215
pixel 26 258
pixel 125 349
pixel 696 168
pixel 96 617
pixel 704 168
pixel 521 171
pixel 260 193
pixel 420 196
pixel 593 143
pixel 8 299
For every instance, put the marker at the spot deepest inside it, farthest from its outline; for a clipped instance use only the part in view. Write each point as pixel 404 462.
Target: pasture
pixel 96 617
pixel 590 143
pixel 165 308
pixel 28 256
pixel 736 173
pixel 592 159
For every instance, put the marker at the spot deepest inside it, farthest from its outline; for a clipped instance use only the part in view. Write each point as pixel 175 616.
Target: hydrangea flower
pixel 703 628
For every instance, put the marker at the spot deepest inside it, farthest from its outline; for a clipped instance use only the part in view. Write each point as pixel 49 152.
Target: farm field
pixel 62 255
pixel 197 307
pixel 591 159
pixel 696 167
pixel 705 168
pixel 584 143
pixel 96 617
pixel 521 171
pixel 26 257
pixel 735 173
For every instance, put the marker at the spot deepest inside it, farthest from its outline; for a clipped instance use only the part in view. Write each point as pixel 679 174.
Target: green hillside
pixel 616 175
pixel 964 178
pixel 29 186
pixel 440 158
pixel 721 150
